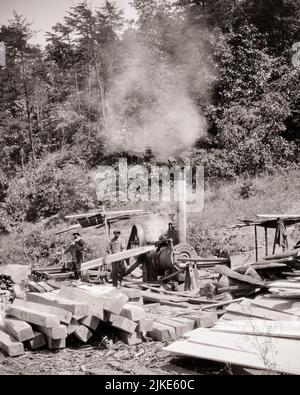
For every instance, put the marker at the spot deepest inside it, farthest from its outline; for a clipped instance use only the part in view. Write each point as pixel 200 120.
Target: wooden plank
pixel 90 321
pixel 291 253
pixel 133 313
pixel 222 304
pixel 284 306
pixel 284 284
pixel 283 329
pixel 83 333
pixel 237 317
pixel 36 342
pixel 123 323
pixel 225 271
pixel 117 257
pixel 64 315
pixel 215 353
pixel 76 308
pixel 21 330
pixel 57 333
pixel 33 316
pixel 9 345
pixel 46 287
pixel 54 284
pixel 276 216
pixel 260 312
pixel 151 296
pixel 284 293
pixel 162 332
pixel 34 287
pixel 274 353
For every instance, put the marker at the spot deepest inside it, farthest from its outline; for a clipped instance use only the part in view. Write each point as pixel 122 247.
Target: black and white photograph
pixel 149 190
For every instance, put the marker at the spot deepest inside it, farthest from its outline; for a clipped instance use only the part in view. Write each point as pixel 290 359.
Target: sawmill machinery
pixel 169 257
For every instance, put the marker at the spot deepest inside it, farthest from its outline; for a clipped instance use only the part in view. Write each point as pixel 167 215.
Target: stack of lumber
pixel 41 286
pixel 50 318
pixel 263 333
pixel 171 328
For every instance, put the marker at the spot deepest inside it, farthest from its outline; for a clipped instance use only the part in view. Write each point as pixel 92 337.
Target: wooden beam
pixel 10 345
pixel 256 246
pixel 76 308
pixel 34 316
pixel 64 315
pixel 266 241
pixel 83 333
pixel 225 271
pixel 37 341
pixel 260 312
pixel 117 257
pixel 21 330
pixel 57 333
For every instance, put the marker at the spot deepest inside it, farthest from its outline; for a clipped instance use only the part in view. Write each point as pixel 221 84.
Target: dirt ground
pixel 144 359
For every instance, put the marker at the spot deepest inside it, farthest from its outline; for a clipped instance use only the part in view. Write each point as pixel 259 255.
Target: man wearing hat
pixel 118 269
pixel 76 249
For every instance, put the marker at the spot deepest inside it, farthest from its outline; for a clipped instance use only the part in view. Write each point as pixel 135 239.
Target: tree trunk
pixel 29 120
pixel 101 91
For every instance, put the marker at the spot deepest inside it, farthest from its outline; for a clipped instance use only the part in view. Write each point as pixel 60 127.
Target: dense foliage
pixel 63 108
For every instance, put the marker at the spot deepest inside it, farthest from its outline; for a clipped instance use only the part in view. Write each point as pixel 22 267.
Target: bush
pixel 46 190
pixel 29 244
pixel 247 189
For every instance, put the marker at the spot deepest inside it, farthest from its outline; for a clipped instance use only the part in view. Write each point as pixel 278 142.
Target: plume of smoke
pixel 150 102
pixel 156 226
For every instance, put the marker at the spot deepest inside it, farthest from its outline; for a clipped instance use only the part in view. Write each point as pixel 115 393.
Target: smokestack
pixel 182 162
pixel 181 206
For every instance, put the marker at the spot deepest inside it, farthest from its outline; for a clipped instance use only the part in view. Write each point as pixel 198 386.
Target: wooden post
pixel 256 247
pixel 266 241
pixel 275 238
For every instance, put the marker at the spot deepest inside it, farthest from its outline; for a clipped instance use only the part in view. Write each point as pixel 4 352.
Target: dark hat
pixel 117 232
pixel 76 234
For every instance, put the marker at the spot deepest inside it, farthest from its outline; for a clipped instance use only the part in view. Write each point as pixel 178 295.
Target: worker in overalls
pixel 76 249
pixel 118 269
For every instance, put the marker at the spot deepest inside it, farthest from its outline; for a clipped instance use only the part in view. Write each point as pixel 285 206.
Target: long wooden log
pixel 225 271
pixel 117 257
pixel 291 253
